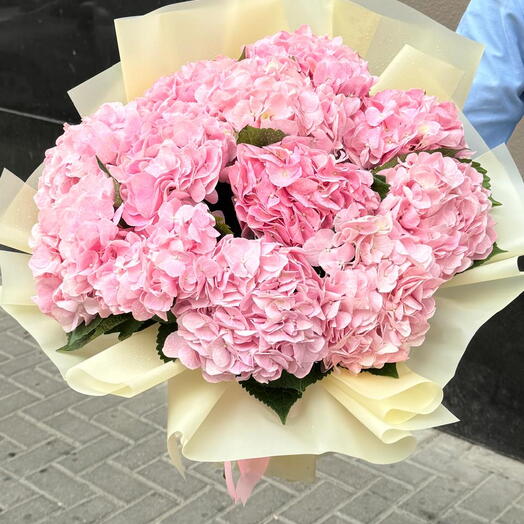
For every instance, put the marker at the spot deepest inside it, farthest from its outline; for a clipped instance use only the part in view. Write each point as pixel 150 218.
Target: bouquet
pixel 273 233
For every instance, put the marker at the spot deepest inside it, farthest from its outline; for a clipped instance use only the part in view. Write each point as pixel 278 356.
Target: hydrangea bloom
pixel 378 290
pixel 179 153
pixel 193 82
pixel 327 61
pixel 107 134
pixel 71 235
pixel 288 191
pixel 394 122
pixel 264 316
pixel 441 202
pixel 265 93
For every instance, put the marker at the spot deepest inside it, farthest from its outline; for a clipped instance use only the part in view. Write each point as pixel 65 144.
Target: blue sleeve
pixel 496 101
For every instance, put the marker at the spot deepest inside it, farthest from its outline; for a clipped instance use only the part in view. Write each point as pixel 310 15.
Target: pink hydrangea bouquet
pixel 273 221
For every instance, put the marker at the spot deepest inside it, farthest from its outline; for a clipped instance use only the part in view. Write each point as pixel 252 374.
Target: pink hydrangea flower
pixel 263 316
pixel 263 93
pixel 192 83
pixel 441 203
pixel 179 153
pixel 109 133
pixel 143 274
pixel 67 243
pixel 394 122
pixel 378 290
pixel 287 192
pixel 326 61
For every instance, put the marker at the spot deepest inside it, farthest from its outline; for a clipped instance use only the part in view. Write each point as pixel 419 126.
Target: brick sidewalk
pixel 66 458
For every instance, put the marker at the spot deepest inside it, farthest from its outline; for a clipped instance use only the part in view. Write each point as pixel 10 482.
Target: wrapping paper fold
pixel 377 30
pixel 364 416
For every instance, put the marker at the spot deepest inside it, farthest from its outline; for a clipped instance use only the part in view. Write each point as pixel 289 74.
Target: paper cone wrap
pixel 365 416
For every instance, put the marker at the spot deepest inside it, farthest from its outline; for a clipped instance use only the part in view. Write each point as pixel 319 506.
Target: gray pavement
pixel 67 458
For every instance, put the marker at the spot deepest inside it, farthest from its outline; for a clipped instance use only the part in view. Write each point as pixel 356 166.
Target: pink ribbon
pixel 251 471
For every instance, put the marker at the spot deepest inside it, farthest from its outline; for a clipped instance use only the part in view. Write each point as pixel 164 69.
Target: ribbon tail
pixel 251 471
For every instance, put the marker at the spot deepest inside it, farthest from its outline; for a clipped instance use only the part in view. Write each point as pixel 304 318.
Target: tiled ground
pixel 66 458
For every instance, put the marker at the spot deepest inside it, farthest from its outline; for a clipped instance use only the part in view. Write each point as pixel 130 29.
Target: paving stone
pixel 20 363
pixel 16 330
pixel 74 427
pixel 92 454
pixel 22 431
pixel 143 452
pixel 439 458
pixel 37 382
pixel 491 461
pixel 14 402
pixel 493 497
pixel 12 491
pixel 457 516
pixel 17 347
pixel 261 506
pixel 91 406
pixel 210 471
pixel 9 450
pixel 144 511
pixel 200 509
pixel 514 515
pixel 124 423
pixel 366 507
pixel 90 511
pixel 7 388
pixel 165 474
pixel 335 519
pixel 390 490
pixel 158 417
pixel 399 517
pixel 30 511
pixel 404 471
pixel 434 498
pixel 117 483
pixel 317 504
pixel 51 406
pixel 37 458
pixel 64 488
pixel 350 473
pixel 147 401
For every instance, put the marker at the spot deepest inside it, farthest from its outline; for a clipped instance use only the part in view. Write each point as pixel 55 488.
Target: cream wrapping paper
pixel 364 416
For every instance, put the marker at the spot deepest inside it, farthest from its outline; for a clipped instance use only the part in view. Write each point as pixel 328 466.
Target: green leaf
pixel 130 327
pixel 260 137
pixel 84 334
pixel 320 272
pixel 486 183
pixel 117 201
pixel 171 319
pixel 102 166
pixel 222 227
pixel 380 185
pixel 495 251
pixel 279 400
pixel 388 165
pixel 163 332
pixel 281 394
pixel 243 55
pixel 84 330
pixel 389 370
